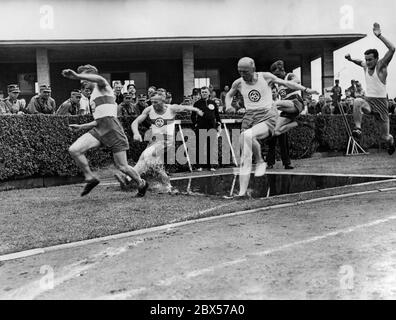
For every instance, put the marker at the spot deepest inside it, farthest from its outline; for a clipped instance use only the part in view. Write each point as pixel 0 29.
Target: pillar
pixel 188 69
pixel 306 79
pixel 327 68
pixel 43 67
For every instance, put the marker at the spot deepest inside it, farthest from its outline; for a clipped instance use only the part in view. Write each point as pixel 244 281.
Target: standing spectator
pixel 12 103
pixel 86 105
pixel 352 88
pixel 209 120
pixel 131 89
pixel 118 92
pixel 127 108
pixel 71 106
pixel 196 95
pixel 336 93
pixel 283 141
pixel 42 103
pixel 223 95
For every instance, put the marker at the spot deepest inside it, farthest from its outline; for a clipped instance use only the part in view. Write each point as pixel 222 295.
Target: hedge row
pixel 36 145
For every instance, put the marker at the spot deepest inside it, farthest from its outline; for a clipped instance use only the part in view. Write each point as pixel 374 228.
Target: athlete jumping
pixel 106 130
pixel 375 102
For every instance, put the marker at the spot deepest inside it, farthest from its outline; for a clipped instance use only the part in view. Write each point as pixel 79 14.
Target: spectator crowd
pixel 132 104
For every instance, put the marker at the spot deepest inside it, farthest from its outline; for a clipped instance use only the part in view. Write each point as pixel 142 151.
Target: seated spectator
pixel 150 92
pixel 316 108
pixel 71 106
pixel 42 103
pixel 12 103
pixel 131 89
pixel 86 105
pixel 127 107
pixel 347 105
pixel 142 102
pixel 168 97
pixel 327 109
pixel 3 109
pixel 118 92
pixel 162 91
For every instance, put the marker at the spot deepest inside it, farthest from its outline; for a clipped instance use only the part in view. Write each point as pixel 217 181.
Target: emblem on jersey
pixel 254 96
pixel 211 107
pixel 159 122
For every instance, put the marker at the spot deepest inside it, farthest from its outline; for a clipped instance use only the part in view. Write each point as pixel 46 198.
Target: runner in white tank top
pixel 376 100
pixel 106 130
pixel 260 118
pixel 162 118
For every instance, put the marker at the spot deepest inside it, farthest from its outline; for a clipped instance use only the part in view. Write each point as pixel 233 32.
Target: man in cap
pixel 42 103
pixel 71 106
pixel 12 103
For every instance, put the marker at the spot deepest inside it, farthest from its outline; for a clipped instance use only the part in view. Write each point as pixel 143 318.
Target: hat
pixel 13 88
pixel 45 88
pixel 76 92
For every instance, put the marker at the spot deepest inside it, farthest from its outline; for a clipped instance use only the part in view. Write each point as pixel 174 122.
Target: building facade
pixel 172 44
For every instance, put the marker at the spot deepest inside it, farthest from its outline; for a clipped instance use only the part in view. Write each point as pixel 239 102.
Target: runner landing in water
pixel 162 118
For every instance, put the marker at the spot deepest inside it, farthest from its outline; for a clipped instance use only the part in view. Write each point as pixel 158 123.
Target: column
pixel 327 68
pixel 43 67
pixel 188 69
pixel 306 79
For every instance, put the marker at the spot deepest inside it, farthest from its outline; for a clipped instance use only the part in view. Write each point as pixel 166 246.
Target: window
pixel 206 77
pixel 201 82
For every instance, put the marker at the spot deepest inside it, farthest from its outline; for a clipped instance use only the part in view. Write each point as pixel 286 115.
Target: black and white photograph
pixel 197 155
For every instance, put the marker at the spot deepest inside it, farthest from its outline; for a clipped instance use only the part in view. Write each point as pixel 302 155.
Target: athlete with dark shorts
pixel 260 118
pixel 106 130
pixel 376 102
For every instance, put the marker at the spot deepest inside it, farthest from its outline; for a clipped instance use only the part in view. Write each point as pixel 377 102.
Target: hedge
pixel 36 145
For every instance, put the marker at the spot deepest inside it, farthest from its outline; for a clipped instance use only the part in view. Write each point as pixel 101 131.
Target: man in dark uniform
pixel 209 120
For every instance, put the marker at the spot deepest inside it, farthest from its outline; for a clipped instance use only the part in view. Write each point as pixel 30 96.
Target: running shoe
pixel 260 169
pixel 142 190
pixel 90 184
pixel 289 167
pixel 212 169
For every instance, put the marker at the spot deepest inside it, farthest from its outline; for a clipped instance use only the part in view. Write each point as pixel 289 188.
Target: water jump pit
pixel 269 185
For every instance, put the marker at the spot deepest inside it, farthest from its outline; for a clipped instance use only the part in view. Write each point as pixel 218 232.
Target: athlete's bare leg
pixel 78 149
pixel 120 160
pixel 251 146
pixel 360 106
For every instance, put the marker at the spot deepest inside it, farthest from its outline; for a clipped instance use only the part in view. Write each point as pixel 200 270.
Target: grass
pixel 43 217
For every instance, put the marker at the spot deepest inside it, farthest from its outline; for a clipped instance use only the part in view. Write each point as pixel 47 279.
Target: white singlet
pixel 375 88
pixel 257 96
pixel 162 124
pixel 105 105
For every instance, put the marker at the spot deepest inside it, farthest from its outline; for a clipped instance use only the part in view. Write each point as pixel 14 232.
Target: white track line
pixel 28 253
